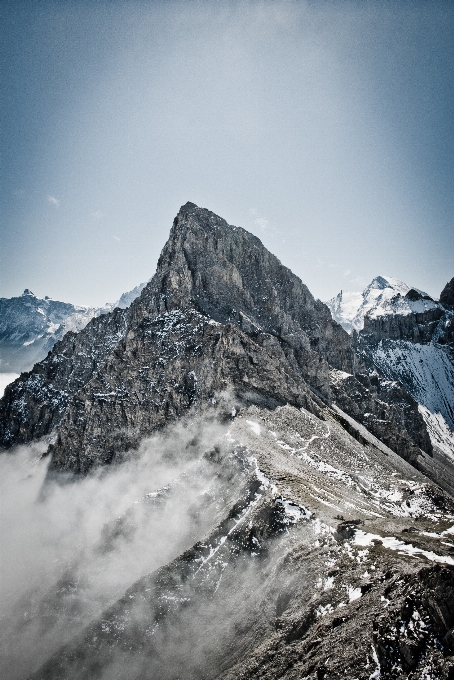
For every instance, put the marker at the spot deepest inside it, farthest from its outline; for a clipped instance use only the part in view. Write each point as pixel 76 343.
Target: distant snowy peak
pixel 30 326
pixel 128 298
pixel 384 295
pixel 344 308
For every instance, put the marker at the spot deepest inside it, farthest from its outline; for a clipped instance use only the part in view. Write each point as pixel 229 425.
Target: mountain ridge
pixel 408 338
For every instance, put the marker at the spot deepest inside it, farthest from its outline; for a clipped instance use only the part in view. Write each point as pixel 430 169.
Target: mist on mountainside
pixel 71 549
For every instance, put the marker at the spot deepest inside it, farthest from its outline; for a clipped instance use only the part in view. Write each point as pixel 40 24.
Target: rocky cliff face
pixel 221 314
pixel 447 294
pixel 416 328
pixel 417 350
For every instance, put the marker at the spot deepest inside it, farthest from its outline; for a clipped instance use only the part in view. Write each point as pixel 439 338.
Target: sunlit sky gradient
pixel 325 128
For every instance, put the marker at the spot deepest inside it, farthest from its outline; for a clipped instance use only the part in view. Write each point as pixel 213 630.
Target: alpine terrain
pixel 220 482
pixel 30 326
pixel 407 337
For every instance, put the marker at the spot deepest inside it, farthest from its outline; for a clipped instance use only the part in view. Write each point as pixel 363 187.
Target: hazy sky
pixel 325 128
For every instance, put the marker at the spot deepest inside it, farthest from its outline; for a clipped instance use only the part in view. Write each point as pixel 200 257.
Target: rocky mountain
pixel 30 326
pixel 408 338
pixel 220 314
pixel 246 495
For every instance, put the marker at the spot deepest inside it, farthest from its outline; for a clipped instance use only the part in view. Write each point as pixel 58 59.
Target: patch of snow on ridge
pixel 364 538
pixel 255 427
pixel 384 295
pixel 439 431
pixel 294 512
pixel 425 371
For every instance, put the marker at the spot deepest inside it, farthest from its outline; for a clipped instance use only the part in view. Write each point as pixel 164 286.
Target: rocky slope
pixel 220 314
pixel 298 552
pixel 30 326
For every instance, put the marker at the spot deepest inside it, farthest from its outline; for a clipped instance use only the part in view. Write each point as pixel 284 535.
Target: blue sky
pixel 325 128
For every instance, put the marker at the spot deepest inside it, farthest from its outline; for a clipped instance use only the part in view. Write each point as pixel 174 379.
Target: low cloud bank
pixel 72 551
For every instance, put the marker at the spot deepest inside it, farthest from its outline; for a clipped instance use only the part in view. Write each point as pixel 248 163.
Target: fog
pixel 189 500
pixel 70 550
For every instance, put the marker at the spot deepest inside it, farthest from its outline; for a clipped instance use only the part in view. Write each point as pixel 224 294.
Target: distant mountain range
pixel 230 485
pixel 30 326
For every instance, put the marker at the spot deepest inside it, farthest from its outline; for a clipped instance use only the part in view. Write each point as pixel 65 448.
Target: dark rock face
pixel 166 366
pixel 34 404
pixel 411 327
pixel 414 295
pixel 447 294
pixel 227 274
pixel 387 411
pixel 424 606
pixel 220 314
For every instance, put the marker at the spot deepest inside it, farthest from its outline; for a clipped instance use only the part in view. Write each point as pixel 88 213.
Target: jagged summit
pixel 385 295
pixel 227 273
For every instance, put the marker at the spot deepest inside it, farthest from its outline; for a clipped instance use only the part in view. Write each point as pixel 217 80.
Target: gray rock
pixel 447 294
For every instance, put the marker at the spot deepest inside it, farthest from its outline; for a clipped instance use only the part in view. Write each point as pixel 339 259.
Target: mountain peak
pixel 226 273
pixel 383 296
pixel 188 206
pixel 28 292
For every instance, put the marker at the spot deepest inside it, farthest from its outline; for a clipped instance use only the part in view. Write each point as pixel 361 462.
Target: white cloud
pixel 261 222
pixel 347 272
pixel 53 201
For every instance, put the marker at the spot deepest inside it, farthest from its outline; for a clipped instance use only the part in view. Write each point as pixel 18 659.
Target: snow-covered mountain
pixel 30 326
pixel 384 295
pixel 408 337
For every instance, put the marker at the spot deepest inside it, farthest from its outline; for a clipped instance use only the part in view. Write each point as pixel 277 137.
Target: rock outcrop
pixel 447 294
